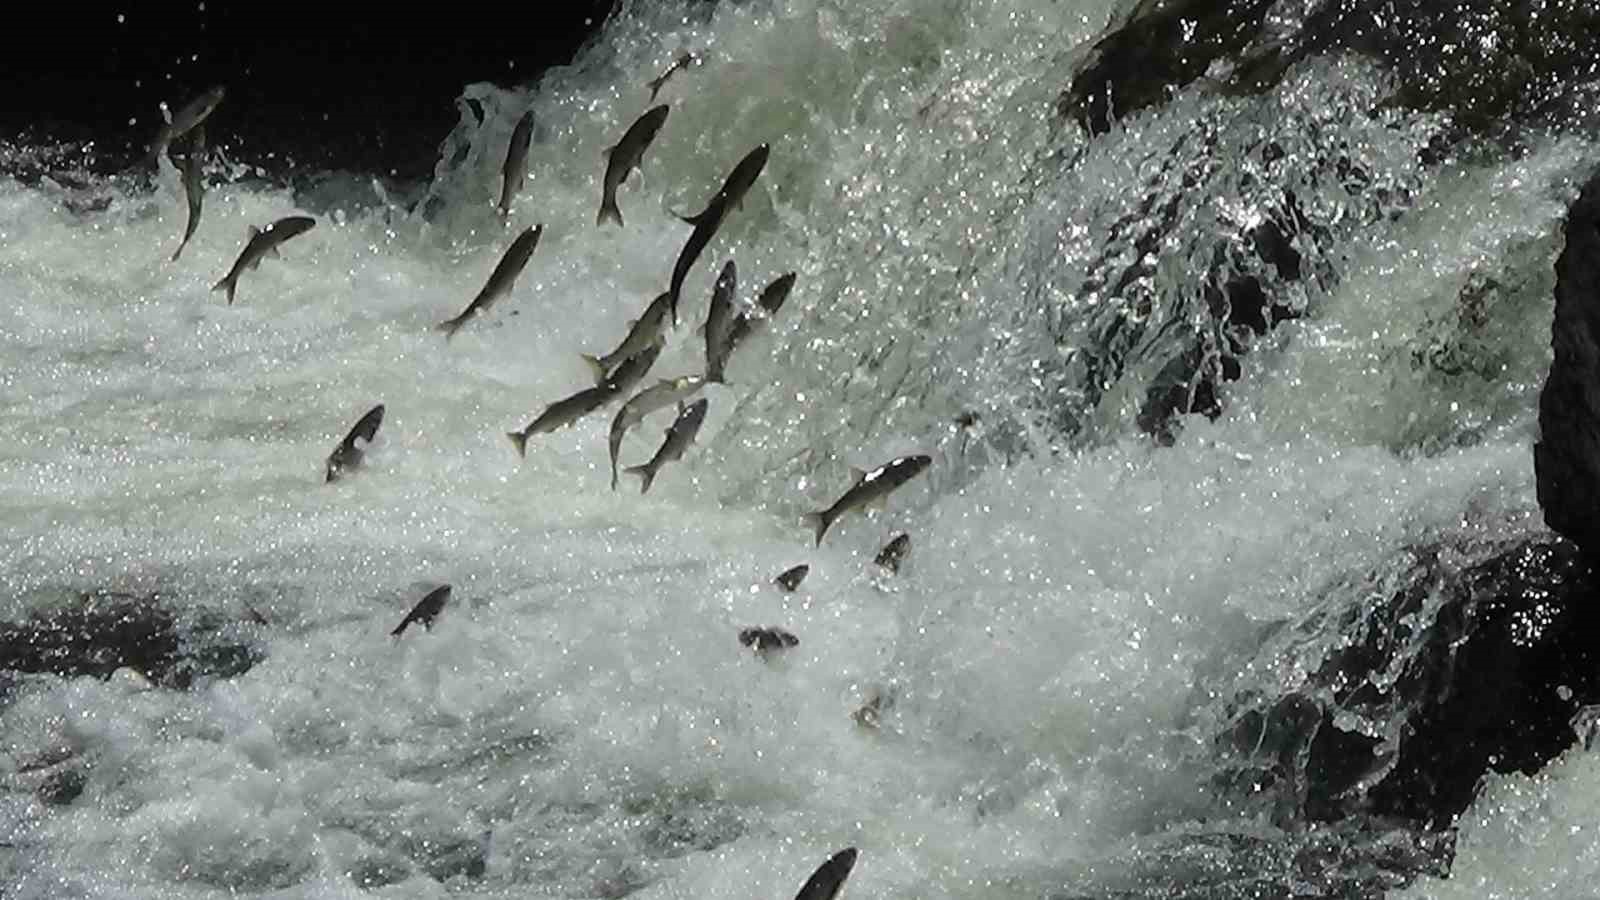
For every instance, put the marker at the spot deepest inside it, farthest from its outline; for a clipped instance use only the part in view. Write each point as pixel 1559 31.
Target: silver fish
pixel 825 882
pixel 661 395
pixel 894 552
pixel 426 610
pixel 194 186
pixel 500 280
pixel 765 640
pixel 746 323
pixel 515 170
pixel 623 157
pixel 684 60
pixel 870 488
pixel 642 332
pixel 263 242
pixel 347 455
pixel 679 436
pixel 707 222
pixel 187 118
pixel 634 368
pixel 719 318
pixel 789 579
pixel 562 413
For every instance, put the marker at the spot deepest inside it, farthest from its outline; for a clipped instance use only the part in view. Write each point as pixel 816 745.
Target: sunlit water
pixel 582 717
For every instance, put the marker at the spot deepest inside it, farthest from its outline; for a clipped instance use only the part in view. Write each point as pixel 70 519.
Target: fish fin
pixel 519 440
pixel 645 475
pixel 176 253
pixel 254 231
pixel 818 522
pixel 598 367
pixel 272 252
pixel 856 475
pixel 401 627
pixel 451 326
pixel 609 213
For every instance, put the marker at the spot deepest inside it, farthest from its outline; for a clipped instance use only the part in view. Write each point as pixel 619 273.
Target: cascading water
pixel 1102 672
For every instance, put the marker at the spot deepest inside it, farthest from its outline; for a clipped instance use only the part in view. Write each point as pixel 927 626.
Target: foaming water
pixel 582 721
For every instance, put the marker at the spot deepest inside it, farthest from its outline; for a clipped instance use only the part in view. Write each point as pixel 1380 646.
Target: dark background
pixel 369 87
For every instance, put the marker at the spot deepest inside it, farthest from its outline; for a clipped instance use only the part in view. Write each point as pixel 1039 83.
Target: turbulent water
pixel 581 721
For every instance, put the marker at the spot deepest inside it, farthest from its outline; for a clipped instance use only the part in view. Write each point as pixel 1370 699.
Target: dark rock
pixel 1566 458
pixel 443 860
pixel 106 631
pixel 62 787
pixel 1489 63
pixel 1474 659
pixel 1161 47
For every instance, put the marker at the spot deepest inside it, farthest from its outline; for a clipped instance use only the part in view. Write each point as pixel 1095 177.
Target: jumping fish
pixel 634 368
pixel 562 413
pixel 825 882
pixel 426 610
pixel 772 299
pixel 705 224
pixel 623 157
pixel 870 488
pixel 789 579
pixel 684 60
pixel 194 186
pixel 348 455
pixel 642 332
pixel 661 395
pixel 263 242
pixel 187 118
pixel 679 436
pixel 719 318
pixel 765 640
pixel 500 280
pixel 894 552
pixel 515 169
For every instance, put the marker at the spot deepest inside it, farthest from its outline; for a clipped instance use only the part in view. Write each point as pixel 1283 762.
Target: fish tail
pixel 178 252
pixel 598 367
pixel 819 522
pixel 519 439
pixel 450 327
pixel 228 285
pixel 399 629
pixel 646 475
pixel 609 212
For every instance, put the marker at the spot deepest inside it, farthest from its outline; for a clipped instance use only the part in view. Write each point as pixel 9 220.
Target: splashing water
pixel 582 721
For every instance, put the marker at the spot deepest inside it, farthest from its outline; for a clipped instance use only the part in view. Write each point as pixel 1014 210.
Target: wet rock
pixel 106 631
pixel 1164 45
pixel 1566 457
pixel 1472 656
pixel 467 857
pixel 1488 63
pixel 62 787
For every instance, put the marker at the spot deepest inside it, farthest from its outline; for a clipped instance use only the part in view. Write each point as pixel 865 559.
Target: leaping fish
pixel 500 280
pixel 263 242
pixel 190 116
pixel 684 60
pixel 825 882
pixel 426 610
pixel 679 436
pixel 869 488
pixel 661 395
pixel 194 186
pixel 642 332
pixel 749 322
pixel 515 170
pixel 623 157
pixel 347 455
pixel 707 222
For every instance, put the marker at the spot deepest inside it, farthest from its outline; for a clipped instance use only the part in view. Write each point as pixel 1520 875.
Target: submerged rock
pixel 1470 656
pixel 107 631
pixel 1566 457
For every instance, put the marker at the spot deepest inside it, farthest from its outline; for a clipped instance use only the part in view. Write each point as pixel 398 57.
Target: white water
pixel 583 702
